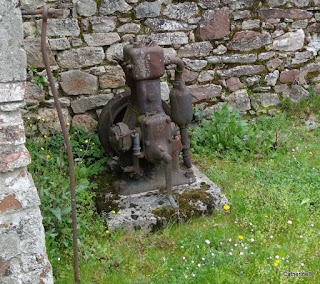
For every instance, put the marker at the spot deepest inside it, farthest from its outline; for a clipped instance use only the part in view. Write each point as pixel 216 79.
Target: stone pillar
pixel 23 257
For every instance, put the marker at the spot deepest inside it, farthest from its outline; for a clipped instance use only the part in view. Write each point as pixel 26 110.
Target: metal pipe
pixel 186 147
pixel 168 175
pixel 179 68
pixel 66 141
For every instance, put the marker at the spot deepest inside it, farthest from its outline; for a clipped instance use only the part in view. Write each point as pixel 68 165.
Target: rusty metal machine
pixel 143 130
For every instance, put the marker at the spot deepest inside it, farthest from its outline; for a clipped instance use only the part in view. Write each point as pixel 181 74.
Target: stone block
pixel 290 41
pixel 195 65
pixel 32 47
pixel 129 28
pixel 110 7
pixel 269 99
pixel 243 70
pixel 101 39
pixel 75 82
pixel 52 124
pixel 204 92
pixel 167 38
pixel 272 78
pixel 85 8
pixel 181 11
pixel 251 24
pixel 84 121
pixel 206 76
pixel 234 84
pixel 209 4
pixel 165 91
pixel 59 43
pixel 239 100
pixel 214 24
pixel 107 81
pixel 163 25
pixel 82 104
pixel 148 9
pixel 289 76
pixel 11 92
pixel 13 157
pixel 115 51
pixel 61 27
pixel 196 49
pixel 275 13
pixel 232 58
pixel 81 57
pixel 249 40
pixel 103 24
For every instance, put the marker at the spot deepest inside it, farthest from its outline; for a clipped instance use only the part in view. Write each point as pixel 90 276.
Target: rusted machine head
pixel 143 130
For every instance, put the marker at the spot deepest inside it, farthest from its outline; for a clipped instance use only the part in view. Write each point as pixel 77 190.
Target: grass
pixel 274 200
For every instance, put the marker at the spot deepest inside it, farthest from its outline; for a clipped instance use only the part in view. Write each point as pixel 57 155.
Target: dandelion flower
pixel 266 216
pixel 86 141
pixel 289 222
pixel 39 117
pixel 67 124
pixel 276 264
pixel 226 207
pixel 107 232
pixel 240 237
pixel 42 149
pixel 119 212
pixel 113 212
pixel 310 153
pixel 48 156
pixel 278 111
pixel 30 124
pixel 207 242
pixel 45 136
pixel 278 261
pixel 42 119
pixel 221 195
pixel 81 150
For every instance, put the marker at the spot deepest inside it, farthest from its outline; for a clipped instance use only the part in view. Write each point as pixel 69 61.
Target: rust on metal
pixel 152 161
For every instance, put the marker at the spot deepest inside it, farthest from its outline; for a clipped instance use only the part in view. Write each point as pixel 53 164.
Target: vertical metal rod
pixel 186 148
pixel 66 140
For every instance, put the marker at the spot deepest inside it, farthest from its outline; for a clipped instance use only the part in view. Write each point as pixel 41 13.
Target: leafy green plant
pixel 39 80
pixel 227 131
pixel 50 172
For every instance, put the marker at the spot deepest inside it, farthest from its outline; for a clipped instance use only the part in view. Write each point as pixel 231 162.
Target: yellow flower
pixel 113 212
pixel 107 232
pixel 266 216
pixel 42 148
pixel 86 141
pixel 81 150
pixel 310 153
pixel 226 207
pixel 48 156
pixel 276 264
pixel 119 212
pixel 45 136
pixel 221 195
pixel 42 119
pixel 278 111
pixel 67 123
pixel 240 237
pixel 39 117
pixel 30 124
pixel 278 261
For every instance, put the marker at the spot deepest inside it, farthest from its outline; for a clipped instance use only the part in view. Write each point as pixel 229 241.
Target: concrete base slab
pixel 150 210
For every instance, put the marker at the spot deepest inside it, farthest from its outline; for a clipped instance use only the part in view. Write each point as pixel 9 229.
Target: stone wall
pixel 250 54
pixel 23 256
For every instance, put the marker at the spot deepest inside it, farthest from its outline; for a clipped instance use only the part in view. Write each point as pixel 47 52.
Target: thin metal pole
pixel 66 141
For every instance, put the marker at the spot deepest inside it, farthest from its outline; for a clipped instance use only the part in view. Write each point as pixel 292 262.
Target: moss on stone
pixel 187 205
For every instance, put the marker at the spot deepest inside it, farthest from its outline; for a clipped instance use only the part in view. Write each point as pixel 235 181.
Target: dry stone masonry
pixel 247 53
pixel 23 256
